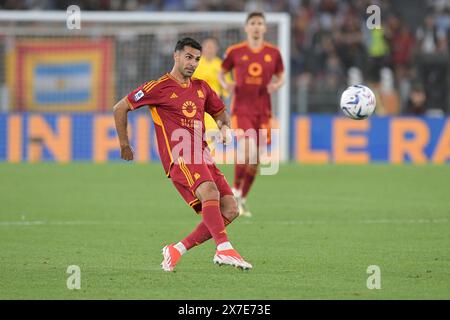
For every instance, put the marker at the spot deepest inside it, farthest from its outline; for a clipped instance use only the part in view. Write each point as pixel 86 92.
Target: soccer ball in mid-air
pixel 358 102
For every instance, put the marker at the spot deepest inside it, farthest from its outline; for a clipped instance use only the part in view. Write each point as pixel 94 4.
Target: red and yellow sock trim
pixel 226 221
pixel 210 203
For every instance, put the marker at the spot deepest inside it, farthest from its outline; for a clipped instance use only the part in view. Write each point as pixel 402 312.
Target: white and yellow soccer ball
pixel 358 102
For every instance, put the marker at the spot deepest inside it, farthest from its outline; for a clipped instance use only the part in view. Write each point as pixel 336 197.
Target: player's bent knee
pixel 207 191
pixel 230 211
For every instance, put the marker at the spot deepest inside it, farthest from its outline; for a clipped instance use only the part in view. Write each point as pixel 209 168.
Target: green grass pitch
pixel 315 231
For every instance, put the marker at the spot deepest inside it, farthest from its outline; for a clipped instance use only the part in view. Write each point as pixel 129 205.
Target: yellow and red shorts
pixel 187 178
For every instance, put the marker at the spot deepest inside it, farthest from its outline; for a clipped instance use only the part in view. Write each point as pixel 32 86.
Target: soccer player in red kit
pixel 258 72
pixel 177 104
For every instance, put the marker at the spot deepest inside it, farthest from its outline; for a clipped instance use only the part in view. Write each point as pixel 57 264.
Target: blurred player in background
pixel 258 72
pixel 208 69
pixel 210 65
pixel 177 104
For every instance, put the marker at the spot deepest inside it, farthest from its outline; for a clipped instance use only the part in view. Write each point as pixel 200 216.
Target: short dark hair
pixel 255 14
pixel 187 42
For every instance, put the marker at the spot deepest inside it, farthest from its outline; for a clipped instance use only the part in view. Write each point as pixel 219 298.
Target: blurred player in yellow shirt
pixel 208 70
pixel 210 66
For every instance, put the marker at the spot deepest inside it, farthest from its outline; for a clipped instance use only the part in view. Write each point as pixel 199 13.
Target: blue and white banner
pixel 62 84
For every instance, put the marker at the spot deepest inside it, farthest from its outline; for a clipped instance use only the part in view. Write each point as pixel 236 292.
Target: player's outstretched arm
pixel 121 110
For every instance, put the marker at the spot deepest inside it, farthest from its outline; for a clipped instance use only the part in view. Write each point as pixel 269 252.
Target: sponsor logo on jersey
pixel 138 95
pixel 189 109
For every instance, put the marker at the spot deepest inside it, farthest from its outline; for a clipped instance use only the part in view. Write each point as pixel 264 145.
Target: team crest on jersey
pixel 245 57
pixel 255 69
pixel 189 109
pixel 197 176
pixel 173 96
pixel 200 94
pixel 138 95
pixel 267 58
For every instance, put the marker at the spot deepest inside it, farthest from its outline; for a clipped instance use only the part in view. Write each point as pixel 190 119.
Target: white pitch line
pixel 406 221
pixel 51 223
pixel 368 221
pixel 246 221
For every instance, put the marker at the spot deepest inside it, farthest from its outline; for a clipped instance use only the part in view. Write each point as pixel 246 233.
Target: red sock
pixel 200 235
pixel 249 177
pixel 212 218
pixel 196 237
pixel 239 173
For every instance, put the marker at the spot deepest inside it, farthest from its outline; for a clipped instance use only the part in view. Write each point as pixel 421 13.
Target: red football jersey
pixel 252 71
pixel 175 106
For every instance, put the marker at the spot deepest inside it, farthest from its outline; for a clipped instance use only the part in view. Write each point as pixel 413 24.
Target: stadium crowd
pixel 406 61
